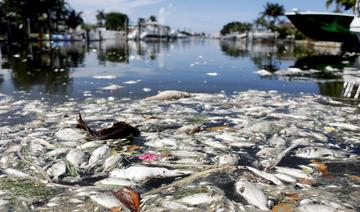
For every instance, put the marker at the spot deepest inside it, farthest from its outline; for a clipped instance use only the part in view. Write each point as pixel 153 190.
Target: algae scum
pixel 248 151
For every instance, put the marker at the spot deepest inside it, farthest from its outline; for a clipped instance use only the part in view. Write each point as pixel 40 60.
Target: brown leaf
pixel 293 196
pixel 322 167
pixel 129 198
pixel 220 128
pixel 115 209
pixel 283 207
pixel 305 181
pixel 117 131
pixel 133 148
pixel 354 178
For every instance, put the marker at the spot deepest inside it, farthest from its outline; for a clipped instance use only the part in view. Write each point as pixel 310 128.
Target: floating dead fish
pixel 162 143
pixel 266 175
pixel 345 126
pixel 116 131
pixel 252 194
pixel 143 173
pixel 264 73
pixel 320 152
pixel 16 173
pixel 170 95
pixel 285 178
pixel 98 156
pixel 277 141
pixel 112 161
pixel 76 157
pixel 106 200
pixel 57 170
pixel 69 134
pixel 293 172
pixel 105 77
pixel 198 199
pixel 112 87
pixel 226 160
pixel 132 82
pixel 56 152
pixel 314 207
pixel 116 182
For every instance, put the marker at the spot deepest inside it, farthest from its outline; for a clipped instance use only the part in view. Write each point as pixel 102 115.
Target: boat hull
pixel 324 26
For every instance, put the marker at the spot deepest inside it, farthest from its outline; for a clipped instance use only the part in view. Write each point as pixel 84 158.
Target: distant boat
pixel 324 26
pixel 149 30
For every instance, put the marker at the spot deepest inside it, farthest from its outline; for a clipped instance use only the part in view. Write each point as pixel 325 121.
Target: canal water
pixel 59 71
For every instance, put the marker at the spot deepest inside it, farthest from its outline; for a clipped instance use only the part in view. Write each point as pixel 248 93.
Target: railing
pixel 351 88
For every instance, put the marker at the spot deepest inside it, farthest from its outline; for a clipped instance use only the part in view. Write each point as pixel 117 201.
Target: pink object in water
pixel 148 157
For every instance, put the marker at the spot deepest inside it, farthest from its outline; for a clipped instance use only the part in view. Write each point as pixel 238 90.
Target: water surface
pixel 58 71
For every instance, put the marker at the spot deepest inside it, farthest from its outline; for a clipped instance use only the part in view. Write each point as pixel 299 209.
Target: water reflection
pixel 330 79
pixel 42 67
pixel 68 69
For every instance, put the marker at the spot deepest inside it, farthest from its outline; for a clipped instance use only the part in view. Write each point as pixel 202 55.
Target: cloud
pixel 89 7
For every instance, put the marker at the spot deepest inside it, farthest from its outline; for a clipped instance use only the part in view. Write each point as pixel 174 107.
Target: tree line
pixel 40 16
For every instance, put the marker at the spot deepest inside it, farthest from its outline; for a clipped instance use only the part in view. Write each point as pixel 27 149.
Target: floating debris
pixel 132 82
pixel 116 131
pixel 169 95
pixel 104 77
pixel 112 87
pixel 213 74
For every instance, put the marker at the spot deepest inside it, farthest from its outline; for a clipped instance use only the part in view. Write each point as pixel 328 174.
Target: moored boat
pixel 324 26
pixel 355 24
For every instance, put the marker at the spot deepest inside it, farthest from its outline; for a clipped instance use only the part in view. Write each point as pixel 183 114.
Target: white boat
pixel 149 30
pixel 355 24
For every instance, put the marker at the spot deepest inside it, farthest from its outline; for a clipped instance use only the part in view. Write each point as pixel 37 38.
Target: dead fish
pixel 57 170
pixel 315 207
pixel 112 161
pixel 293 172
pixel 265 175
pixel 169 95
pixel 285 178
pixel 142 173
pixel 56 152
pixel 98 155
pixel 76 157
pixel 116 181
pixel 226 160
pixel 277 141
pixel 197 199
pixel 252 194
pixel 69 134
pixel 106 200
pixel 91 144
pixel 117 131
pixel 345 126
pixel 320 152
pixel 16 173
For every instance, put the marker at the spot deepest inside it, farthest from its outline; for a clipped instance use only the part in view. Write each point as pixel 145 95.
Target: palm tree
pixel 261 22
pixel 347 4
pixel 153 18
pixel 141 22
pixel 101 17
pixel 273 11
pixel 74 19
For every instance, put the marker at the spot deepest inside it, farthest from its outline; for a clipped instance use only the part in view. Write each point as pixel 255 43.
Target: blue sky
pixel 197 15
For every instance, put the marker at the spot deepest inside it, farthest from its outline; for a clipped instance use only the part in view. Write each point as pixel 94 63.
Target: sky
pixel 195 15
